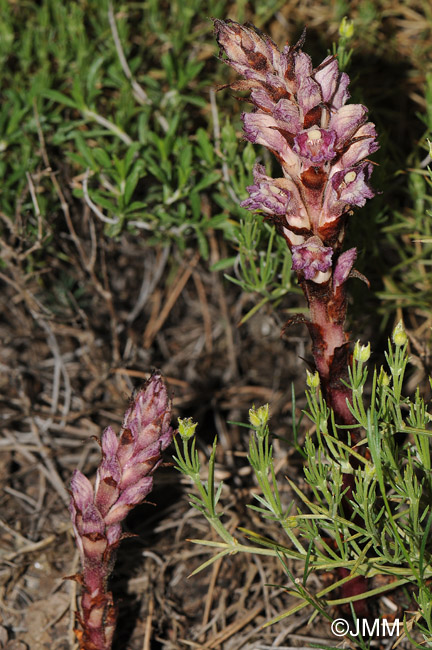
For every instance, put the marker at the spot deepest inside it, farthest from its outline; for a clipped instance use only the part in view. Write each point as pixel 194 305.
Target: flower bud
pixel 186 428
pixel 383 379
pixel 362 352
pixel 399 335
pixel 312 379
pixel 260 416
pixel 346 28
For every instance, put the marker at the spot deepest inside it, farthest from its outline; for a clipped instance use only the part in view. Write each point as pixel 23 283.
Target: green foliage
pixel 388 531
pixel 409 282
pixel 114 99
pixel 120 96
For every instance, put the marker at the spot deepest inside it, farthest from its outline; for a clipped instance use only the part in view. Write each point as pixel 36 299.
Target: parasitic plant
pixel 123 480
pixel 322 144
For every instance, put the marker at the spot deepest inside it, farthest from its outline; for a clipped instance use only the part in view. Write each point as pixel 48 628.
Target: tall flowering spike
pixel 301 115
pixel 123 480
pixel 322 143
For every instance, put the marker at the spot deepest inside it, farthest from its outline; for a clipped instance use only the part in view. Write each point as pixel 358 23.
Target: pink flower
pixel 301 116
pixel 269 195
pixel 314 259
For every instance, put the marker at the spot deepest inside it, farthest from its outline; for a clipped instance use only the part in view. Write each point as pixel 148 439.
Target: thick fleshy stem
pixel 322 144
pixel 332 356
pixel 330 346
pixel 123 480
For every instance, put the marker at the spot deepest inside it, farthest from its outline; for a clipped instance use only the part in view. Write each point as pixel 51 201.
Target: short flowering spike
pixel 123 480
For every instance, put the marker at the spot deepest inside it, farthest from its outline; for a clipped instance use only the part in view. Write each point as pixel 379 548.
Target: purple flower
pixel 253 55
pixel 260 128
pixel 267 194
pixel 333 84
pixel 343 267
pixel 301 116
pixel 348 187
pixel 314 259
pixel 315 145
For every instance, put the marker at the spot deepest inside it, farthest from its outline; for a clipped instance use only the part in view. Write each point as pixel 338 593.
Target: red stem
pixel 99 614
pixel 332 356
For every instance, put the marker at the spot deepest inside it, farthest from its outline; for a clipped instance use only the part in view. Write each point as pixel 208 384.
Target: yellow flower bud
pixel 346 28
pixel 362 352
pixel 383 379
pixel 260 416
pixel 312 379
pixel 186 427
pixel 399 335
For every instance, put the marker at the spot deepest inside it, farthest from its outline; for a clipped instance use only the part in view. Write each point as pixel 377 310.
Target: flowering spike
pixel 123 480
pixel 323 145
pixel 301 115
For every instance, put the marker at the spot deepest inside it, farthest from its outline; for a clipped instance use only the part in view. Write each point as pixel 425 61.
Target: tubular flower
pixel 314 259
pixel 301 115
pixel 268 195
pixel 123 480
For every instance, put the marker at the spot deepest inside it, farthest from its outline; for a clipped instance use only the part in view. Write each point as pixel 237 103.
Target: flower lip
pixel 267 194
pixel 313 258
pixel 351 185
pixel 316 145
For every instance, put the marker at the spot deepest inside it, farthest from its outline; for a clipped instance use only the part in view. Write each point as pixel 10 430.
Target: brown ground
pixel 66 377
